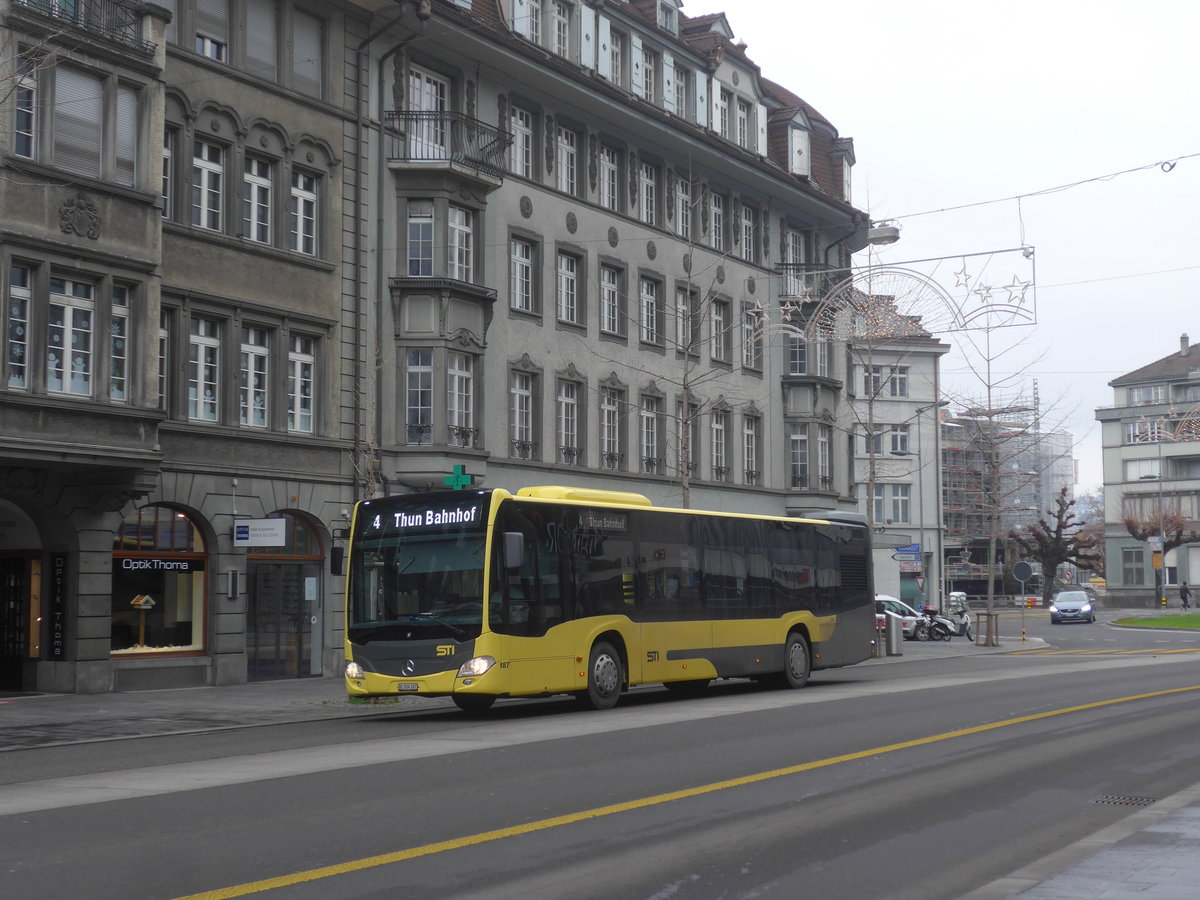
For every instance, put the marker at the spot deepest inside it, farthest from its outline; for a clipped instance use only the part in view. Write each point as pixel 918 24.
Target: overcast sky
pixel 955 102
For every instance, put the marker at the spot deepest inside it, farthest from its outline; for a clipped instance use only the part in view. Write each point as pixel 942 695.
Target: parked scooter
pixel 937 627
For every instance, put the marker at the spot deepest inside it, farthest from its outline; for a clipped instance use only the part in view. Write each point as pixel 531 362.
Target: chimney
pixel 1184 346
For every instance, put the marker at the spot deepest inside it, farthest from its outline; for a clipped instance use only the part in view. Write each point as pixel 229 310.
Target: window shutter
pixel 520 17
pixel 127 134
pixel 715 104
pixel 702 86
pixel 212 19
pixel 307 58
pixel 78 105
pixel 799 156
pixel 587 36
pixel 603 48
pixel 260 38
pixel 635 64
pixel 172 32
pixel 760 120
pixel 668 90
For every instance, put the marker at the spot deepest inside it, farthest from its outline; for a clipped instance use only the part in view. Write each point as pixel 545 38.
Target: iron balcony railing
pixel 425 136
pixel 808 281
pixel 115 20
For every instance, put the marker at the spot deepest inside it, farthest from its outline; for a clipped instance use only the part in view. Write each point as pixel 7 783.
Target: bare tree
pixel 1056 538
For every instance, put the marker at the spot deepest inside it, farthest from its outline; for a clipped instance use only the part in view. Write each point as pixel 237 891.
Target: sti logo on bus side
pixel 445 650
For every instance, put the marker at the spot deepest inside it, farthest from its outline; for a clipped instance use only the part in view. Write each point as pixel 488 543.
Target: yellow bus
pixel 480 594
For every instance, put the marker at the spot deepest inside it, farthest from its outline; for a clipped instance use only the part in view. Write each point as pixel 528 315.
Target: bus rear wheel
pixel 604 677
pixel 473 703
pixel 796 662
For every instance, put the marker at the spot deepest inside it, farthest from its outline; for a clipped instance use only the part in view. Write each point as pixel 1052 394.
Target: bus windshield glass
pixel 419 572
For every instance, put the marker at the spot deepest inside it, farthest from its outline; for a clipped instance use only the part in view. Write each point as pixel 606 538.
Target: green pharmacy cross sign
pixel 459 479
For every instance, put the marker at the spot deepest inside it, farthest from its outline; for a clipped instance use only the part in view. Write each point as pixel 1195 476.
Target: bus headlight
pixel 476 665
pixel 354 671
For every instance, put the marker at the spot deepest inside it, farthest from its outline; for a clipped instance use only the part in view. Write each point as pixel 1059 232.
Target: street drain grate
pixel 1124 801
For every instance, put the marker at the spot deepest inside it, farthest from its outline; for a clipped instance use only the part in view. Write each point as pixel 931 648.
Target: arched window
pixel 158 584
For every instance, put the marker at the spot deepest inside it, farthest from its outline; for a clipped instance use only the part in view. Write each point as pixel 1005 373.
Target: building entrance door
pixel 14 622
pixel 282 617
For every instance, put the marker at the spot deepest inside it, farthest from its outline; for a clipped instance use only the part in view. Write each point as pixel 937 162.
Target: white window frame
pixel 648 296
pixel 610 178
pixel 420 238
pixel 566 157
pixel 719 444
pixel 520 396
pixel 719 322
pixel 567 421
pixel 460 390
pixel 461 244
pixel 610 428
pixel 303 211
pixel 566 292
pixel 520 274
pixel 683 207
pixel 648 193
pixel 749 245
pixel 255 381
pixel 649 417
pixel 750 430
pixel 20 303
pixel 302 366
pixel 418 395
pixel 204 369
pixel 521 153
pixel 717 207
pixel 611 320
pixel 208 185
pixel 258 182
pixel 70 337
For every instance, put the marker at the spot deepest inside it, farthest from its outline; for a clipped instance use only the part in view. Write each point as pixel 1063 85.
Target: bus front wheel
pixel 796 663
pixel 473 703
pixel 604 677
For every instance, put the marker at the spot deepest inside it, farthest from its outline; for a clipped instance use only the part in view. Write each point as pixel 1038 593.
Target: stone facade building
pixel 269 258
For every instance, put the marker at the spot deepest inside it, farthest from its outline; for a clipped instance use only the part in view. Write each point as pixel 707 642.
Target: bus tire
pixel 473 703
pixel 603 677
pixel 796 662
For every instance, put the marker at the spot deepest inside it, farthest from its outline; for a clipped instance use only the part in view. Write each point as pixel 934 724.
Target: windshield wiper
pixel 453 629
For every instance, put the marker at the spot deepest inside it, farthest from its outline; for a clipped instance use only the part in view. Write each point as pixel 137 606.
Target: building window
pixel 71 326
pixel 461 243
pixel 898 381
pixel 649 74
pixel 301 368
pixel 204 370
pixel 418 378
pixel 798 455
pixel 794 283
pixel 687 321
pixel 177 620
pixel 688 435
pixel 520 154
pixel 169 177
pixel 20 299
pixel 683 207
pixel 683 93
pixel 302 210
pixel 721 341
pixel 824 455
pixel 566 288
pixel 610 428
pixel 901 503
pixel 428 135
pixel 616 57
pixel 25 104
pixel 885 380
pixel 79 121
pixel 520 275
pixel 520 414
pixel 648 193
pixel 261 39
pixel 256 200
pixel 749 245
pixel 565 158
pixel 460 397
pixel 610 178
pixel 724 101
pixel 1133 566
pixel 1150 393
pixel 752 337
pixel 252 392
pixel 1143 432
pixel 650 312
pixel 743 124
pixel 567 422
pixel 560 24
pixel 899 438
pixel 420 238
pixel 307 53
pixel 750 429
pixel 212 29
pixel 717 212
pixel 649 423
pixel 164 356
pixel 879 503
pixel 208 174
pixel 720 432
pixel 612 315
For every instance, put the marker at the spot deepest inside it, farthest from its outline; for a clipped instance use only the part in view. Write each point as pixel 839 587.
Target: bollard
pixel 895 636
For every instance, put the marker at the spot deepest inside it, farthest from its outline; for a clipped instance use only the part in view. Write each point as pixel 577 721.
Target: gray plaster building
pixel 269 258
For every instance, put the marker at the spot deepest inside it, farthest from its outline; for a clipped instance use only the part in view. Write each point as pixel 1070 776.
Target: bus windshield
pixel 416 587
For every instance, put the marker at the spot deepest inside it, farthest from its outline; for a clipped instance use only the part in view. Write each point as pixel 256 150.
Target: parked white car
pixel 908 616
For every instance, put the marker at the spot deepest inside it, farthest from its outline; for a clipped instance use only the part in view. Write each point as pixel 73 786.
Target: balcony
pixel 447 140
pixel 117 21
pixel 808 282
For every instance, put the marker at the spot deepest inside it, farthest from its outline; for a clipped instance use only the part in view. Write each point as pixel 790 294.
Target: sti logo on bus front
pixel 427 518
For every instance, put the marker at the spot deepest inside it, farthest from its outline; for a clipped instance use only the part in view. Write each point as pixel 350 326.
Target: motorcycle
pixel 936 627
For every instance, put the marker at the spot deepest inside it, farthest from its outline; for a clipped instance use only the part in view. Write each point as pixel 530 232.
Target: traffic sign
pixel 1022 571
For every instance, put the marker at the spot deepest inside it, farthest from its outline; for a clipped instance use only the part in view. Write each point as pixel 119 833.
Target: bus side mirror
pixel 514 550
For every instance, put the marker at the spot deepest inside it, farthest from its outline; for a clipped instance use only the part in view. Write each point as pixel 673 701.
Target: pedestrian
pixel 1184 595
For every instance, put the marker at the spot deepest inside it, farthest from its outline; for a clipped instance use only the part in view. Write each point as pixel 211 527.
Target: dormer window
pixel 668 18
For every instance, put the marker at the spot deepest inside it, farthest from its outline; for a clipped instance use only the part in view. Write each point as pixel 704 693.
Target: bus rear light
pixel 354 671
pixel 476 665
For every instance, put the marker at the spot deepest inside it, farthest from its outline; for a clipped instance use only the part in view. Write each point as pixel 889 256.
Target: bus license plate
pixel 408 686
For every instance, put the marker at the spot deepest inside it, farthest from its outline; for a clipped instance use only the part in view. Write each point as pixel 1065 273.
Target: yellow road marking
pixel 484 837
